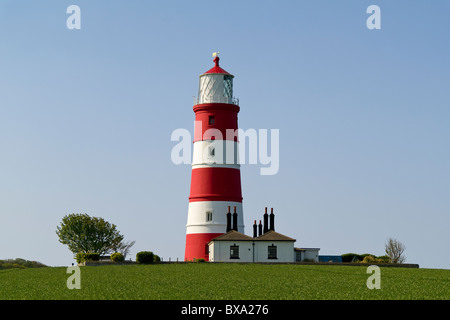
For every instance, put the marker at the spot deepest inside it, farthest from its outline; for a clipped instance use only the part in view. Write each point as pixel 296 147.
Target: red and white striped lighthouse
pixel 216 178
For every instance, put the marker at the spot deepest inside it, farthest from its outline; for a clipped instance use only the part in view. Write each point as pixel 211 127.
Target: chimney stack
pixel 260 228
pixel 255 230
pixel 266 221
pixel 228 219
pixel 272 220
pixel 235 226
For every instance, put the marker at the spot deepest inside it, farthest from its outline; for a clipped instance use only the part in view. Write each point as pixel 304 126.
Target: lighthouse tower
pixel 216 178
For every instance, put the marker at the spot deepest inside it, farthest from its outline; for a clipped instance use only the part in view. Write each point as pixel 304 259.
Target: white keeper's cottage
pixel 266 245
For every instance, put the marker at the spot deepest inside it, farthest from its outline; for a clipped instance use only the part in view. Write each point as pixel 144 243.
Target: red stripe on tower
pixel 216 177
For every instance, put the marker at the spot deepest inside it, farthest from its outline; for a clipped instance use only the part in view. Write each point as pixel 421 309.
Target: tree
pixel 82 233
pixel 123 247
pixel 394 250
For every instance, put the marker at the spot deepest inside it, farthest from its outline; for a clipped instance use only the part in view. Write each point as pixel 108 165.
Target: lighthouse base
pixel 197 245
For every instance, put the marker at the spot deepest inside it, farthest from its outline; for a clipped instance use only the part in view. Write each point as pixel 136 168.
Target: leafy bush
pixel 144 257
pixel 369 259
pixel 117 257
pixel 200 260
pixel 156 258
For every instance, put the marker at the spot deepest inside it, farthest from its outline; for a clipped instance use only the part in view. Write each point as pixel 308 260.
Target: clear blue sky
pixel 86 118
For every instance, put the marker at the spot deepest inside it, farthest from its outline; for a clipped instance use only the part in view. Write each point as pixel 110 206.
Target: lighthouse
pixel 215 193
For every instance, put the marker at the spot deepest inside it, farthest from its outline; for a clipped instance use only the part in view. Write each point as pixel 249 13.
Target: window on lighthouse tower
pixel 211 151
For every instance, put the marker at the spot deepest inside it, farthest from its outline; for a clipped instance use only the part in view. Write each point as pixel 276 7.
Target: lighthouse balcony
pixel 215 99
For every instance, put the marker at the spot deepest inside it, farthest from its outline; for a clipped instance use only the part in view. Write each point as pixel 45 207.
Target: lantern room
pixel 216 86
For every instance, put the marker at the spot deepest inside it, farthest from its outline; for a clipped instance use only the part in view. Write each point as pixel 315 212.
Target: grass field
pixel 205 281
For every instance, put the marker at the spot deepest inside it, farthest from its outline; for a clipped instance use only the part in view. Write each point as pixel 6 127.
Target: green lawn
pixel 195 281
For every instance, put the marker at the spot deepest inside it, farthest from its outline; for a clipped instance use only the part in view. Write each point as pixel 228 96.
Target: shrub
pixel 369 259
pixel 373 259
pixel 117 257
pixel 200 260
pixel 144 257
pixel 11 266
pixel 156 258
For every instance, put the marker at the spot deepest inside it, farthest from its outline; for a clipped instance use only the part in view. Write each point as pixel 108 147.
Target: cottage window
pixel 272 252
pixel 234 252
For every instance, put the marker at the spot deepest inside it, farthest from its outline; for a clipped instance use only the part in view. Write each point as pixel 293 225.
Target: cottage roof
pixel 233 235
pixel 270 235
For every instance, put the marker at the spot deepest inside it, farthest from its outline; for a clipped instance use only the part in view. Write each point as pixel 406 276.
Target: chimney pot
pixel 272 220
pixel 235 226
pixel 228 220
pixel 266 221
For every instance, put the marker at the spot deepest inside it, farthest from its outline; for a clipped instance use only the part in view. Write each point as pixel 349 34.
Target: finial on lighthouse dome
pixel 216 68
pixel 216 58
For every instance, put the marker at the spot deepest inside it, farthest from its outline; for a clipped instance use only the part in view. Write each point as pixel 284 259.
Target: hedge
pixel 366 258
pixel 87 256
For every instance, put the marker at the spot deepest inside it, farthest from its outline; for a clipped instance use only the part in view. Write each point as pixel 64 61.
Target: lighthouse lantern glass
pixel 215 88
pixel 228 86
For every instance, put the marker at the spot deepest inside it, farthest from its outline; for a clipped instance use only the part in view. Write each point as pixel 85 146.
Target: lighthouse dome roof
pixel 217 69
